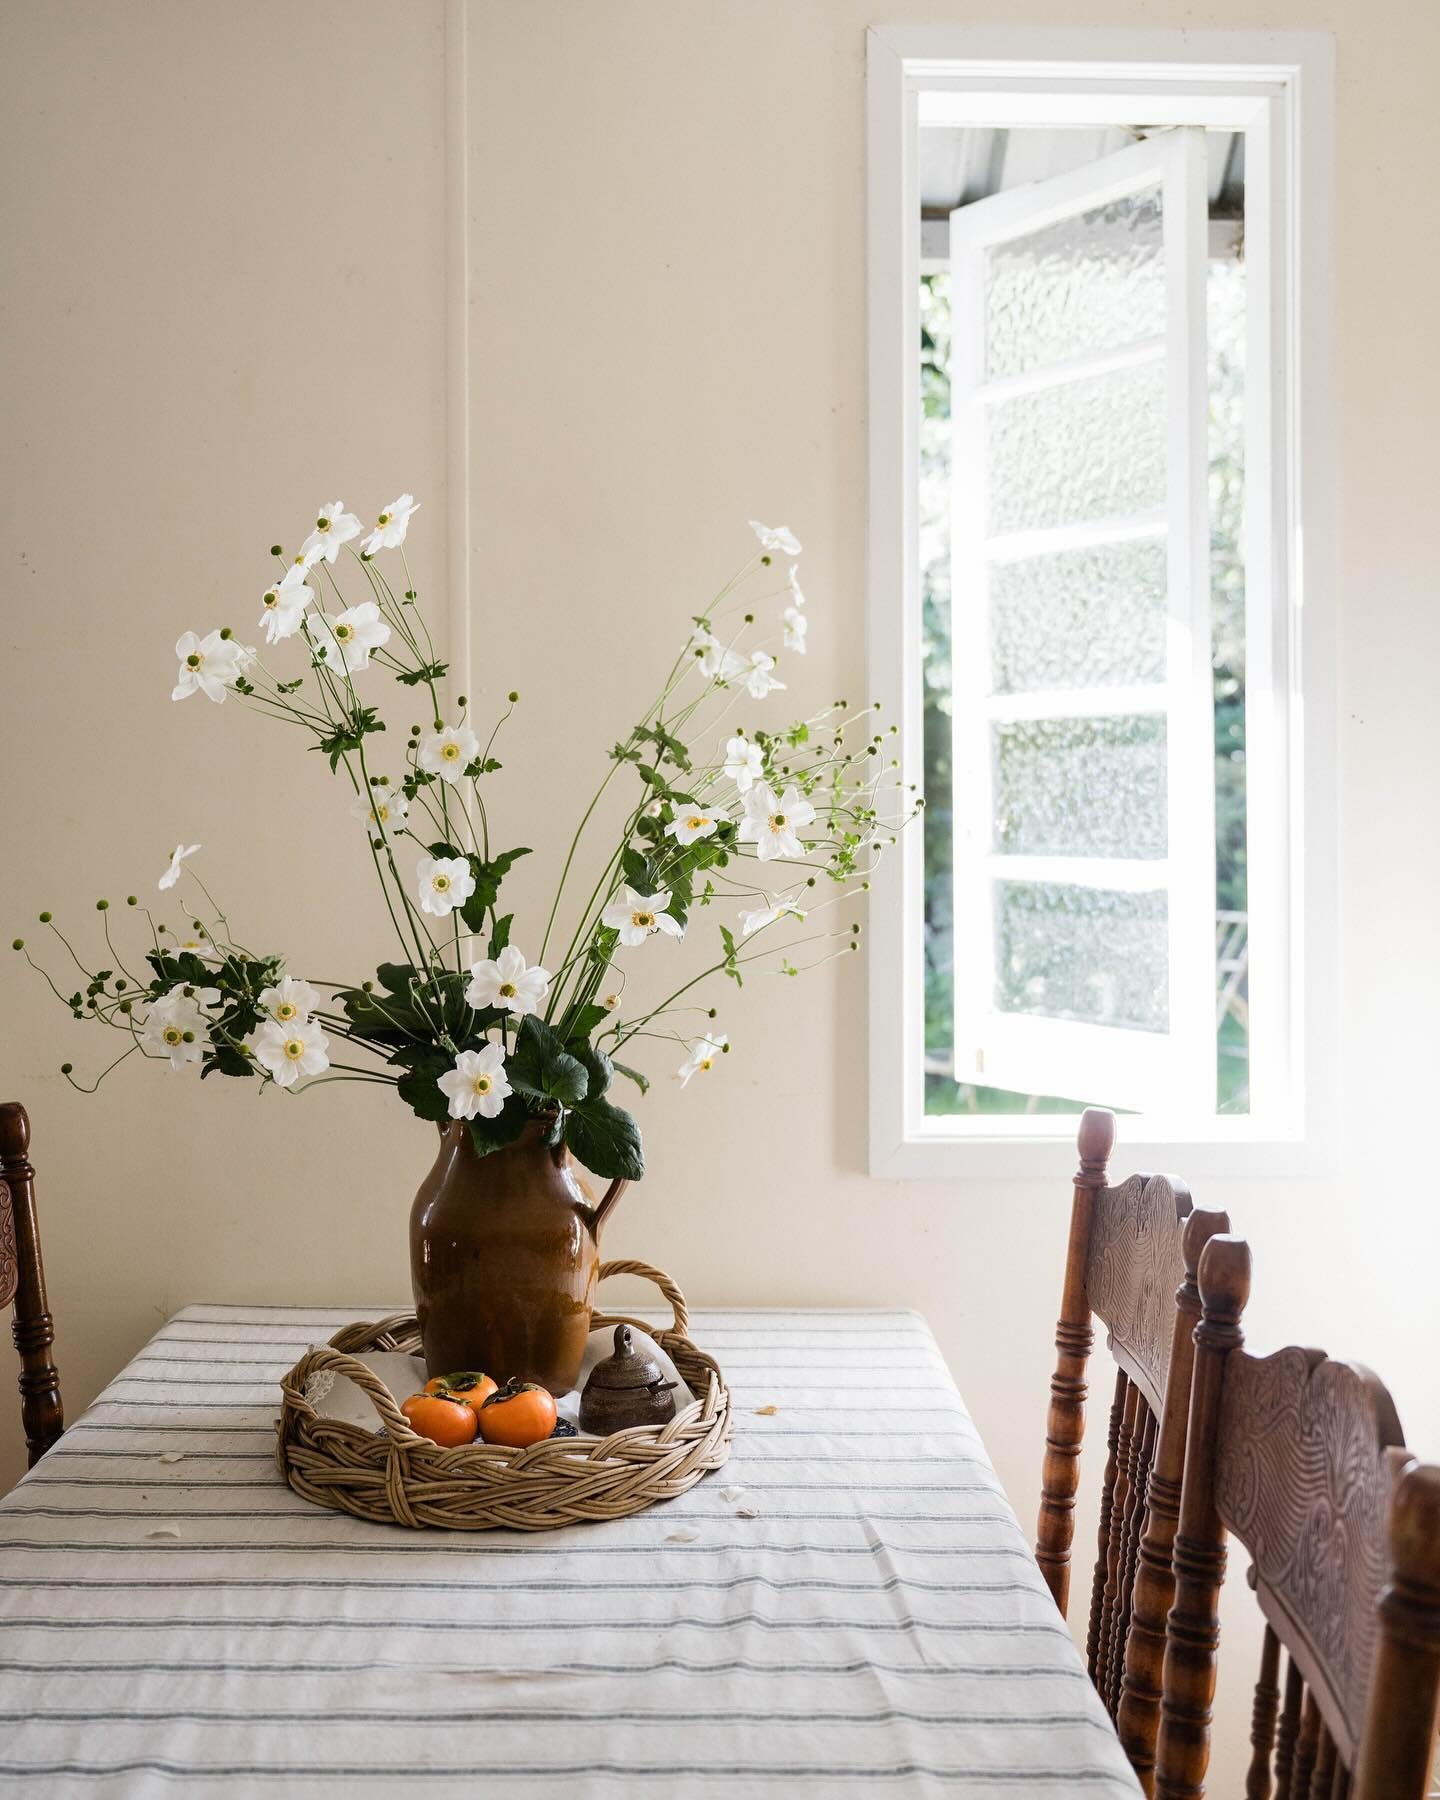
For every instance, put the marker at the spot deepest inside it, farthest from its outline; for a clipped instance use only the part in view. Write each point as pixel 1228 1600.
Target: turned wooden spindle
pixel 1138 1720
pixel 1264 1710
pixel 1400 1720
pixel 22 1279
pixel 1074 1339
pixel 1193 1635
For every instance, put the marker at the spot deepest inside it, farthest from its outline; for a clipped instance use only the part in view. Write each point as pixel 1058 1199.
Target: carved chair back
pixel 22 1283
pixel 1133 1254
pixel 1302 1460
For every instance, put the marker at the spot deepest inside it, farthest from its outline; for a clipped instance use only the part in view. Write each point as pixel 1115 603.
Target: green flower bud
pixel 367 987
pixel 514 695
pixel 864 887
pixel 91 1002
pixel 809 881
pixel 46 917
pixel 121 985
pixel 439 724
pixel 852 945
pixel 225 634
pixel 66 1068
pixel 18 944
pixel 124 1006
pixel 131 900
pixel 187 1037
pixel 749 618
pixel 854 931
pixel 765 560
pixel 464 700
pixel 195 925
pixel 189 993
pixel 920 805
pixel 102 906
pixel 276 550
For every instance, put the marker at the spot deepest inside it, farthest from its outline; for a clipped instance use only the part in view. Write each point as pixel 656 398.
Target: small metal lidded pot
pixel 627 1388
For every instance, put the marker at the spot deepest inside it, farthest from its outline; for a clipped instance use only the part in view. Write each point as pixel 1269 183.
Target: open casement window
pixel 1083 703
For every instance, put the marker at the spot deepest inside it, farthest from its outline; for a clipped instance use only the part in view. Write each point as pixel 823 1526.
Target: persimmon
pixel 444 1421
pixel 517 1415
pixel 468 1385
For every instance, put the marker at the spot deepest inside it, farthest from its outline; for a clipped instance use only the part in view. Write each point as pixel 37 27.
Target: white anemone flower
pixel 391 526
pixel 797 593
pixel 638 916
pixel 703 1052
pixel 173 873
pixel 508 982
pixel 444 883
pixel 776 537
pixel 762 916
pixel 208 665
pixel 383 809
pixel 477 1084
pixel 350 636
pixel 290 1002
pixel 333 527
pixel 449 753
pixel 692 822
pixel 717 661
pixel 744 763
pixel 757 680
pixel 771 824
pixel 290 1051
pixel 285 605
pixel 176 1027
pixel 796 625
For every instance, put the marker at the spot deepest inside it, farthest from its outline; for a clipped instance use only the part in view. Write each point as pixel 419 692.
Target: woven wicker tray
pixel 399 1478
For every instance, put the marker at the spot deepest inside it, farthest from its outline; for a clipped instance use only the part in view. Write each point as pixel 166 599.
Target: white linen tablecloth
pixel 174 1620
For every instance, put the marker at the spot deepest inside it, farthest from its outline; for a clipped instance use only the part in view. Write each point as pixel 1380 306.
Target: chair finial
pixel 1204 1223
pixel 1095 1140
pixel 14 1131
pixel 1224 1279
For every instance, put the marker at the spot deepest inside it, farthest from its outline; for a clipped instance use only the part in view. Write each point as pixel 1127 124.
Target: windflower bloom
pixel 771 824
pixel 637 916
pixel 744 763
pixel 450 752
pixel 445 882
pixel 717 662
pixel 290 1002
pixel 350 636
pixel 703 1052
pixel 391 526
pixel 757 680
pixel 290 1051
pixel 797 594
pixel 477 1084
pixel 285 604
pixel 383 809
pixel 796 625
pixel 693 822
pixel 176 1027
pixel 777 537
pixel 173 873
pixel 333 527
pixel 767 915
pixel 208 665
pixel 508 982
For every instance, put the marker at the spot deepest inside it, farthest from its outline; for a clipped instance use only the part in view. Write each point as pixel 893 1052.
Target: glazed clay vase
pixel 503 1254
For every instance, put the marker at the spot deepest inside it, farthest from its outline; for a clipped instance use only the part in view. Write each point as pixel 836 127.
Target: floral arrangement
pixel 464 1025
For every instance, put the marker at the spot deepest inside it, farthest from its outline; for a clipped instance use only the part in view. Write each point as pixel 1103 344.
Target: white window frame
pixel 1279 89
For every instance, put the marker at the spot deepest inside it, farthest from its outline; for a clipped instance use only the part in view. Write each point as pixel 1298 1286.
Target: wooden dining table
pixel 849 1607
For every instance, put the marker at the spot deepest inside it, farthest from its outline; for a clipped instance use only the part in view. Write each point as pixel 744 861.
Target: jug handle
pixel 608 1202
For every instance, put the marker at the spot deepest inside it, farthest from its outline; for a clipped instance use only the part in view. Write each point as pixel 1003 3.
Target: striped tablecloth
pixel 174 1619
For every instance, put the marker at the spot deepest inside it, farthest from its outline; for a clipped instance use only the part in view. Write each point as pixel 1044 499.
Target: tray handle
pixel 661 1280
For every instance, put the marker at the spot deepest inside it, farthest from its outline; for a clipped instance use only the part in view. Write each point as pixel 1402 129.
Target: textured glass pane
pixel 1079 618
pixel 1082 953
pixel 1095 281
pixel 1090 449
pixel 1080 787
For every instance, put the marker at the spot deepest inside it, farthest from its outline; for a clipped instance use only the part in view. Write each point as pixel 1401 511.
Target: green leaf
pixel 348 735
pixel 541 1066
pixel 494 1134
pixel 395 978
pixel 225 1059
pixel 732 967
pixel 427 672
pixel 598 1067
pixel 500 936
pixel 582 1026
pixel 641 1081
pixel 488 876
pixel 606 1140
pixel 420 1092
pixel 637 871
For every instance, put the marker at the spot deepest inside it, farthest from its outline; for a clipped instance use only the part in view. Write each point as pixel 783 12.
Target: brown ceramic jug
pixel 503 1254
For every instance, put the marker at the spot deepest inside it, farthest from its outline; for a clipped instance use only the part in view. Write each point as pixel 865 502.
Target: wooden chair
pixel 22 1280
pixel 1302 1459
pixel 1132 1259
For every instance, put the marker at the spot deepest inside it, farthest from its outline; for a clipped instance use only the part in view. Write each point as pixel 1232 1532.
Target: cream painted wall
pixel 226 240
